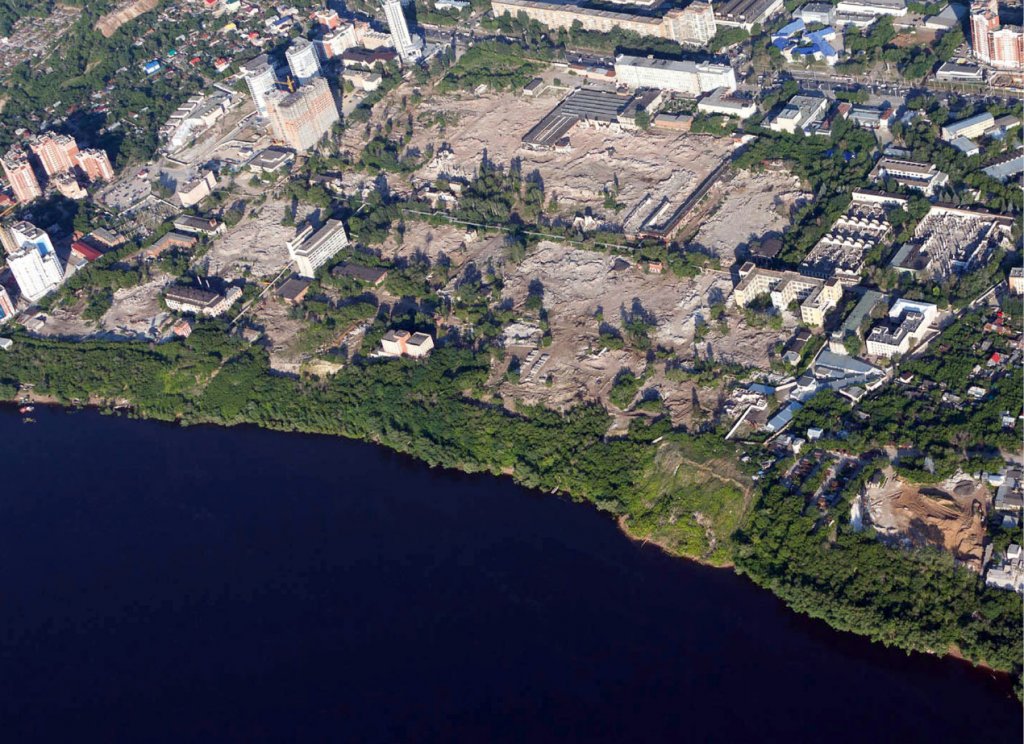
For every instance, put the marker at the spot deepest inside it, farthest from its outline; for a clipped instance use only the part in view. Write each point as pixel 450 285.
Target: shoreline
pixel 621 521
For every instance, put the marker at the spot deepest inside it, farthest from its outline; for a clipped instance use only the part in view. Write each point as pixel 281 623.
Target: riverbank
pixel 436 412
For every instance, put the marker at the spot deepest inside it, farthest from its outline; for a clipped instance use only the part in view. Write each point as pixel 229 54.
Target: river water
pixel 208 584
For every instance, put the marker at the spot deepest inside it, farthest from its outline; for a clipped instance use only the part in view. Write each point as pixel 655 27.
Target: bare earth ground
pixel 257 243
pixel 663 164
pixel 578 283
pixel 755 204
pixel 433 242
pixel 949 515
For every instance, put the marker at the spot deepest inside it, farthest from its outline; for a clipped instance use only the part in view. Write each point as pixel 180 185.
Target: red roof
pixel 996 358
pixel 85 250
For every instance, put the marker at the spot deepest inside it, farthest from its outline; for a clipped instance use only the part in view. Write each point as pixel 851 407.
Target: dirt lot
pixel 578 284
pixel 663 164
pixel 754 205
pixel 257 243
pixel 136 313
pixel 949 515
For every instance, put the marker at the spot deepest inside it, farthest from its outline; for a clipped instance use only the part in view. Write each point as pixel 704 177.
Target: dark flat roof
pixel 372 274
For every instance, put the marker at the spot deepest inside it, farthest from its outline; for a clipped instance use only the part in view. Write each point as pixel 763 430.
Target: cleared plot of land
pixel 948 515
pixel 754 204
pixel 256 244
pixel 663 164
pixel 433 241
pixel 578 285
pixel 126 12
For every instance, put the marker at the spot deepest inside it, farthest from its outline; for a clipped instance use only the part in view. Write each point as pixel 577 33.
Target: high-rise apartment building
pixel 95 165
pixel 35 264
pixel 409 49
pixel 302 61
pixel 302 118
pixel 312 250
pixel 58 153
pixel 993 43
pixel 20 175
pixel 260 78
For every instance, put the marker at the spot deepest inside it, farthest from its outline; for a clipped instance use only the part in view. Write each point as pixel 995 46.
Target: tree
pixel 642 119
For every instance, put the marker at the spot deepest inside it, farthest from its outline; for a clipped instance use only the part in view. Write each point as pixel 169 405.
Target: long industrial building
pixel 745 13
pixel 682 76
pixel 694 24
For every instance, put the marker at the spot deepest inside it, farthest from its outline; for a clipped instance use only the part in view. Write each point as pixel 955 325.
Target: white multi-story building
pixel 260 78
pixel 921 176
pixel 908 320
pixel 312 250
pixel 682 76
pixel 35 264
pixel 409 49
pixel 694 24
pixel 337 42
pixel 302 61
pixel 816 297
pixel 302 118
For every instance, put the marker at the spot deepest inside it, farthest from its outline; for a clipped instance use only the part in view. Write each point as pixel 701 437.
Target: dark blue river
pixel 160 583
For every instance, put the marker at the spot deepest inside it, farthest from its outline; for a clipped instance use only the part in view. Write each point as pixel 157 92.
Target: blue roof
pixel 780 42
pixel 792 28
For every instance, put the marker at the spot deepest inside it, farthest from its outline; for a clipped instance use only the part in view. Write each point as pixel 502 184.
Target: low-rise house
pixel 795 347
pixel 207 226
pixel 951 71
pixel 728 103
pixel 271 160
pixel 169 241
pixel 403 343
pixel 972 126
pixel 1007 167
pixel 870 117
pixel 105 240
pixel 294 290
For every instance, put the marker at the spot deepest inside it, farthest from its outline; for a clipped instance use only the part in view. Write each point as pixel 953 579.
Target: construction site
pixel 949 515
